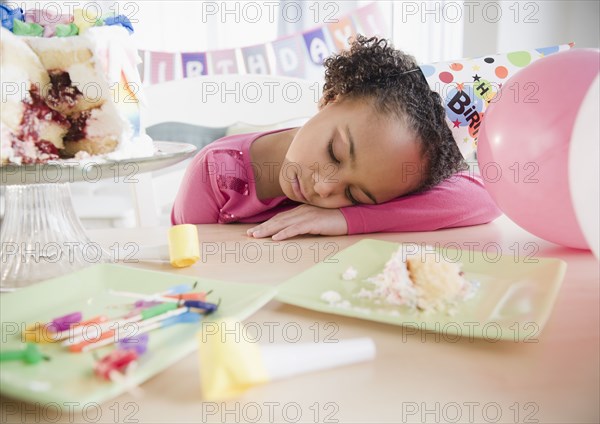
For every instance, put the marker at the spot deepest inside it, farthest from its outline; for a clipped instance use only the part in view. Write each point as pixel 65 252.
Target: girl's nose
pixel 327 181
pixel 325 188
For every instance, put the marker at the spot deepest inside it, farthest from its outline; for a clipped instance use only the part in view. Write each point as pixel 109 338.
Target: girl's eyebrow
pixel 353 161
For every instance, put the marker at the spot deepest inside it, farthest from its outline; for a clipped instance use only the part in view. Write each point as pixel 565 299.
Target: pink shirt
pixel 219 187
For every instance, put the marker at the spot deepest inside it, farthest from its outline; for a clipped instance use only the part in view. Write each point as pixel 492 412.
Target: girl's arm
pixel 461 200
pixel 195 202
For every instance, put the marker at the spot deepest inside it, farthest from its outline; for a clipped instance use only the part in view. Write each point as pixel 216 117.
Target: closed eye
pixel 331 154
pixel 350 197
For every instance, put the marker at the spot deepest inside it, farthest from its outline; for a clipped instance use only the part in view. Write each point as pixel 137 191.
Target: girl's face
pixel 349 154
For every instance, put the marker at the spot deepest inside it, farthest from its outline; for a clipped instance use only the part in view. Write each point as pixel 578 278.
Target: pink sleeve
pixel 196 201
pixel 459 201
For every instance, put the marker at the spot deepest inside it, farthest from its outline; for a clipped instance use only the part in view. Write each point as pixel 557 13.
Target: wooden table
pixel 414 378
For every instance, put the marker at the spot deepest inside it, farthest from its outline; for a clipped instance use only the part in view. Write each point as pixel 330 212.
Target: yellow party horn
pixel 183 249
pixel 230 364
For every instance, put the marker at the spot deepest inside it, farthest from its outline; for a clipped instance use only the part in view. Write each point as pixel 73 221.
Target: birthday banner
pixel 467 86
pixel 287 56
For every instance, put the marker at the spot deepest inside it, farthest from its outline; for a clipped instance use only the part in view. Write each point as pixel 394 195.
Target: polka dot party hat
pixel 468 86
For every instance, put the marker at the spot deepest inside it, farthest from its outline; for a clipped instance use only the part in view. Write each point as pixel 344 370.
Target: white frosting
pixel 20 68
pixel 105 122
pixel 15 84
pixel 393 284
pixel 140 147
pixel 6 150
pixel 114 52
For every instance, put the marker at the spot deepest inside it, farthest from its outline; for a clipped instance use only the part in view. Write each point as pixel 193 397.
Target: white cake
pixel 66 95
pixel 420 279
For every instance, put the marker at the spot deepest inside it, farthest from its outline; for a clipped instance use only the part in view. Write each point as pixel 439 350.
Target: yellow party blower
pixel 182 251
pixel 231 364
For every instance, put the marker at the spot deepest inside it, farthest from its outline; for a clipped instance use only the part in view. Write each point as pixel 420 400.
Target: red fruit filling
pixel 47 147
pixel 77 128
pixel 45 151
pixel 37 110
pixel 62 92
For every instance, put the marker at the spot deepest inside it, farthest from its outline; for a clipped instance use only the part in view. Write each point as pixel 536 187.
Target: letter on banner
pixel 162 67
pixel 142 64
pixel 289 58
pixel 371 20
pixel 316 46
pixel 193 64
pixel 255 59
pixel 223 62
pixel 340 32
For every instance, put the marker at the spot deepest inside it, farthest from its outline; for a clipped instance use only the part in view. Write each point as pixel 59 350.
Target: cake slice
pixel 438 282
pixel 419 279
pixel 31 131
pixel 70 93
pixel 94 82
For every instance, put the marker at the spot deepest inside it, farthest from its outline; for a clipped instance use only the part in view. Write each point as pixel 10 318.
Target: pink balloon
pixel 523 144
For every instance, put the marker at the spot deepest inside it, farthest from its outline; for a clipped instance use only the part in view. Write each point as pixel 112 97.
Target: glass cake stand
pixel 40 235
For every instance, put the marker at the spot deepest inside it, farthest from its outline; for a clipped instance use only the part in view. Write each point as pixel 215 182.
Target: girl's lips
pixel 297 189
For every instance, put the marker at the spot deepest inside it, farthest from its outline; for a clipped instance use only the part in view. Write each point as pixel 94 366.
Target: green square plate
pixel 68 377
pixel 513 301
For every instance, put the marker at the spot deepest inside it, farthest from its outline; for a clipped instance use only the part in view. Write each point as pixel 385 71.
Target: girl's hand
pixel 304 219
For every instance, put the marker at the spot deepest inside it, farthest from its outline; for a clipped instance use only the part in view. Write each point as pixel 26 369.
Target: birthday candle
pixel 42 333
pixel 175 290
pixel 198 304
pixel 120 322
pixel 178 289
pixel 79 329
pixel 179 292
pixel 117 366
pixel 188 296
pixel 64 322
pixel 147 297
pixel 112 336
pixel 187 317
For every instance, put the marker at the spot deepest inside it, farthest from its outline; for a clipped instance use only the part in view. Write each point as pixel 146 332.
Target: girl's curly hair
pixel 374 70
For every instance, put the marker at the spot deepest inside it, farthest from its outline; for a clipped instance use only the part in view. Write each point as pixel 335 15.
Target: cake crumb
pixel 350 274
pixel 81 155
pixel 331 297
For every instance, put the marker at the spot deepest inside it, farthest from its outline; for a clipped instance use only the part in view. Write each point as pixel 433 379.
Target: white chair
pixel 242 103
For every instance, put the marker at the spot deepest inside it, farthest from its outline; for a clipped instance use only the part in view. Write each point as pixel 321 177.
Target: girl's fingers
pixel 289 232
pixel 268 228
pixel 286 224
pixel 275 224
